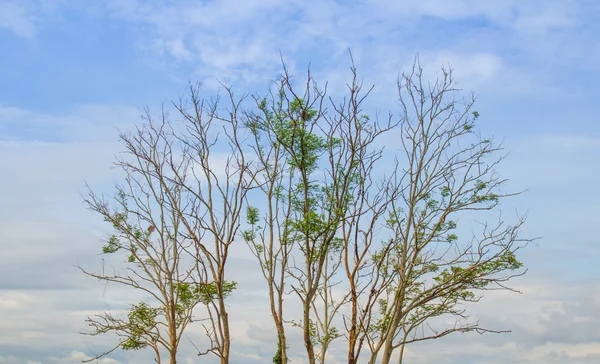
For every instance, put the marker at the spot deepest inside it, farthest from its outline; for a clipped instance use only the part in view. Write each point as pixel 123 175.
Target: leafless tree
pixel 336 203
pixel 359 220
pixel 423 269
pixel 176 217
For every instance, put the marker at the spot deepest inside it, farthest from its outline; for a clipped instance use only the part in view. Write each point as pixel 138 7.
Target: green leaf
pixel 112 246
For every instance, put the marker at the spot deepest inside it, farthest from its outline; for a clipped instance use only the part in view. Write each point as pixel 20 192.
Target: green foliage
pixel 278 357
pixel 506 261
pixel 142 321
pixel 248 235
pixel 476 276
pixel 312 328
pixel 332 334
pixel 132 257
pixel 210 291
pixel 445 191
pixel 252 215
pixel 382 323
pixel 293 133
pixel 394 218
pixel 187 294
pixel 112 246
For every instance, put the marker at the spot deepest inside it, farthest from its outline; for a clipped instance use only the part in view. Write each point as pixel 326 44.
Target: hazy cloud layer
pixel 75 74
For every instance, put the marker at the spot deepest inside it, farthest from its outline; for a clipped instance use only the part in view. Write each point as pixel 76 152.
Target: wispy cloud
pixel 15 17
pixel 535 66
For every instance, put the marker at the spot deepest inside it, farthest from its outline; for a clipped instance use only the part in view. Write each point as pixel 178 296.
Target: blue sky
pixel 72 72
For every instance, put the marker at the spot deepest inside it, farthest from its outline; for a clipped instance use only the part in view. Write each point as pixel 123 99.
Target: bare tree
pixel 288 147
pixel 354 218
pixel 391 229
pixel 217 200
pixel 289 142
pixel 146 217
pixel 423 270
pixel 176 217
pixel 272 243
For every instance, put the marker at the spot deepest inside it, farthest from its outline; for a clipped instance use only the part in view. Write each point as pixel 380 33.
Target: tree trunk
pixel 226 335
pixel 310 350
pixel 172 331
pixel 282 343
pixel 173 356
pixel 353 332
pixel 388 342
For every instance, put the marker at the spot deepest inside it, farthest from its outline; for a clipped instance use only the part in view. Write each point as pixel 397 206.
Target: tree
pixel 384 241
pixel 357 219
pixel 145 215
pixel 175 218
pixel 422 270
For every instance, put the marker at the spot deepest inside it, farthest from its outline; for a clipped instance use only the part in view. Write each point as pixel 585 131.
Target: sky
pixel 73 72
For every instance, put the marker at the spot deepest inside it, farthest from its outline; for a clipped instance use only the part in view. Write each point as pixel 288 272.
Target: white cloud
pixel 12 300
pixel 49 245
pixel 25 18
pixel 89 123
pixel 571 141
pixel 471 70
pixel 563 352
pixel 15 16
pixel 555 15
pixel 76 357
pixel 552 160
pixel 521 49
